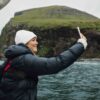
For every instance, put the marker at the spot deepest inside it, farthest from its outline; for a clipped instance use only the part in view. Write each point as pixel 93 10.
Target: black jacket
pixel 29 67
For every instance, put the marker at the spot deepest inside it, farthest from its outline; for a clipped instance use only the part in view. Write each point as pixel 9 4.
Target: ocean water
pixel 80 81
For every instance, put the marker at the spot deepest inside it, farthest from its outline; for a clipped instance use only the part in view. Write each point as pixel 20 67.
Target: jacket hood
pixel 16 50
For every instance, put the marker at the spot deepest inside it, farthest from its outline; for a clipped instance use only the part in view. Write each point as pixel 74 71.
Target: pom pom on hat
pixel 24 36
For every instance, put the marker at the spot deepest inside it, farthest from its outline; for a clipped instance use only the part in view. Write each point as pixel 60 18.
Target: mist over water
pixel 80 81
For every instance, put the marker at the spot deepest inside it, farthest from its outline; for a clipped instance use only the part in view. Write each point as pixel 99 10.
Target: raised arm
pixel 44 66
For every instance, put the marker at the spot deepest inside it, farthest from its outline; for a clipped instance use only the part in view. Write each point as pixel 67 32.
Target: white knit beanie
pixel 24 36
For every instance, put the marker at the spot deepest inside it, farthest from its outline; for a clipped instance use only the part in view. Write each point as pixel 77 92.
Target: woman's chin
pixel 35 51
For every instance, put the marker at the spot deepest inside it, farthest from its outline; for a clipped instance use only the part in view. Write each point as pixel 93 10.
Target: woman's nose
pixel 36 42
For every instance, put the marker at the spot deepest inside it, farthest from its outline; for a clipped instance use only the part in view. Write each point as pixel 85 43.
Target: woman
pixel 20 81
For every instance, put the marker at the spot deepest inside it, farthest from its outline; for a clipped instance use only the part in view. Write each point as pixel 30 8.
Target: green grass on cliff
pixel 55 16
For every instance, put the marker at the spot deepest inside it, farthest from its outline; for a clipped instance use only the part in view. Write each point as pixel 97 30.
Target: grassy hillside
pixel 54 16
pixel 56 12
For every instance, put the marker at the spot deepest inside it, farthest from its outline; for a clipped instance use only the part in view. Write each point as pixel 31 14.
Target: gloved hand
pixel 83 40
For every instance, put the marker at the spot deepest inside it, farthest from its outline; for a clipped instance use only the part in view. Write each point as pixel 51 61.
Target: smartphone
pixel 78 29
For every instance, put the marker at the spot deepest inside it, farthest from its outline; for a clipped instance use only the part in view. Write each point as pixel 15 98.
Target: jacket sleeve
pixel 44 66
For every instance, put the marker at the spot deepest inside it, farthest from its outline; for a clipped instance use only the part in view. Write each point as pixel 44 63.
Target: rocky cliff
pixel 56 29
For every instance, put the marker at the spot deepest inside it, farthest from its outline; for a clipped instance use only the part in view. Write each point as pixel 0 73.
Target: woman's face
pixel 32 44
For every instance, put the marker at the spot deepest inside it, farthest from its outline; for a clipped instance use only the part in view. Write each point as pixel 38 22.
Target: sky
pixel 89 6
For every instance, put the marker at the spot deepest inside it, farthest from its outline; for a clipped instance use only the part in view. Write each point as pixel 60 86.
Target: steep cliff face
pixel 55 40
pixel 56 29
